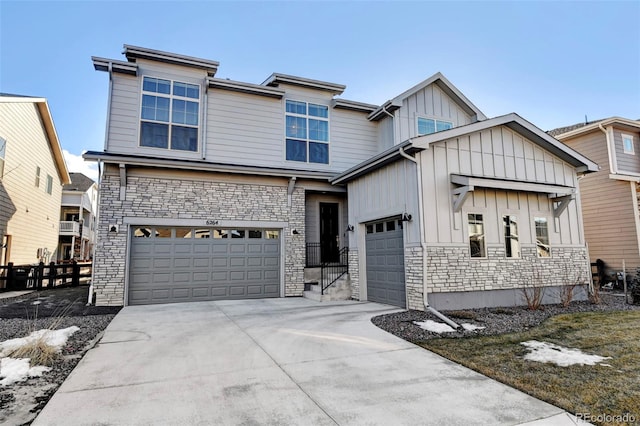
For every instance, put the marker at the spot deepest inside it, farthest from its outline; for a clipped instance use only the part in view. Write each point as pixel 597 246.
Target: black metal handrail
pixel 313 255
pixel 330 272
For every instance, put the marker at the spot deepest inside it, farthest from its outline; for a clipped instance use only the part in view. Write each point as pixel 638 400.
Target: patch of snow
pixel 564 357
pixel 13 370
pixel 471 327
pixel 435 327
pixel 54 338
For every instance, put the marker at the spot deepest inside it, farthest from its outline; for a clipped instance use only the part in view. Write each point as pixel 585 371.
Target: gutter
pixel 423 242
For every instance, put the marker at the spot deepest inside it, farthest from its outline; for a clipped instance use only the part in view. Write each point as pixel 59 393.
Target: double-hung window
pixel 169 114
pixel 307 132
pixel 627 144
pixel 542 237
pixel 511 239
pixel 427 126
pixel 476 235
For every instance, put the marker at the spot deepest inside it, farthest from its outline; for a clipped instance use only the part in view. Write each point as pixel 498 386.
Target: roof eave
pixel 276 79
pixel 248 88
pixel 135 52
pixel 103 64
pixel 54 142
pixel 595 126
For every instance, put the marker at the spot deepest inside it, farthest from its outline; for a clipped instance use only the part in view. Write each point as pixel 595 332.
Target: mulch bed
pixel 55 308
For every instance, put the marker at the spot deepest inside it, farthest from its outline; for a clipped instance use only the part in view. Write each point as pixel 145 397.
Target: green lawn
pixel 598 390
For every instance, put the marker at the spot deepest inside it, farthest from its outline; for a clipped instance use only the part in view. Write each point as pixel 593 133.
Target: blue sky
pixel 551 62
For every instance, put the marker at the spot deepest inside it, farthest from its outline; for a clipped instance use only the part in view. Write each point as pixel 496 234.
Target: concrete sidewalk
pixel 276 361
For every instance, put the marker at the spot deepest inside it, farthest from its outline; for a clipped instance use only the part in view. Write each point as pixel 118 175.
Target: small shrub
pixel 533 295
pixel 468 315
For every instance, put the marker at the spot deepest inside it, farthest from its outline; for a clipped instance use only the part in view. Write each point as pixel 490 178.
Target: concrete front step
pixel 340 290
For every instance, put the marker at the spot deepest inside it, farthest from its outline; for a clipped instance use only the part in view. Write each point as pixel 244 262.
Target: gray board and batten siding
pixel 201 267
pixel 241 128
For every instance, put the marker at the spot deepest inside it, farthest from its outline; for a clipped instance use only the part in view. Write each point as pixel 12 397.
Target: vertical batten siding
pixel 627 162
pixel 29 214
pixel 389 191
pixel 430 102
pixel 494 153
pixel 385 134
pixel 607 208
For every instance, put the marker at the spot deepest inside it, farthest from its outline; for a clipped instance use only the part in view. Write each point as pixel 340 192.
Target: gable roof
pixel 445 85
pixel 79 182
pixel 50 130
pixel 582 128
pixel 512 121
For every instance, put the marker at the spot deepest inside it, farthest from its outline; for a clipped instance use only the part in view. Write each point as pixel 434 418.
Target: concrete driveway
pixel 276 361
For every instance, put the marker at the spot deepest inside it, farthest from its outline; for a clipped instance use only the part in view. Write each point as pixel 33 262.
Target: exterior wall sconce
pixel 406 217
pixel 113 229
pixel 294 232
pixel 350 228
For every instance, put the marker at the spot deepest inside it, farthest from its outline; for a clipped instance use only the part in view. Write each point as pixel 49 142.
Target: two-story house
pixel 218 189
pixel 610 205
pixel 78 218
pixel 32 172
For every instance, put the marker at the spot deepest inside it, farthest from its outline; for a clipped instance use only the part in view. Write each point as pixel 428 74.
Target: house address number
pixel 212 222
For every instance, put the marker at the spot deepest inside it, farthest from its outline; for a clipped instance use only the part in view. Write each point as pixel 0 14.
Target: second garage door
pixel 385 263
pixel 170 265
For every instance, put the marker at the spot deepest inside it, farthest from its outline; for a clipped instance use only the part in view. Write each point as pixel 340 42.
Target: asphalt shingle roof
pixel 79 182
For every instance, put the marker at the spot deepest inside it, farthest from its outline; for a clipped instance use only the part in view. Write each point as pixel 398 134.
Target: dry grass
pixel 598 390
pixel 38 351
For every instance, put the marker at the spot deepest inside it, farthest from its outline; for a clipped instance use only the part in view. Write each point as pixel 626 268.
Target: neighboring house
pixel 78 218
pixel 610 207
pixel 218 189
pixel 32 172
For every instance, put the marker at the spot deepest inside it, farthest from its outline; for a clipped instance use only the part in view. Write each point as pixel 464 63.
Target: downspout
pixel 423 242
pixel 606 134
pixel 93 248
pixel 204 119
pixel 106 130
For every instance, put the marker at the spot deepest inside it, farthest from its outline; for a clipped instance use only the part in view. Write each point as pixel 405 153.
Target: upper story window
pixel 476 235
pixel 542 237
pixel 427 126
pixel 307 132
pixel 49 187
pixel 169 114
pixel 3 151
pixel 627 144
pixel 38 177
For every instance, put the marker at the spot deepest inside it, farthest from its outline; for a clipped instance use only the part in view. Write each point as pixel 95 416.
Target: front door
pixel 329 233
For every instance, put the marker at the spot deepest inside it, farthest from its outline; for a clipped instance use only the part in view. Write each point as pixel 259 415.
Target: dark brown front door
pixel 329 233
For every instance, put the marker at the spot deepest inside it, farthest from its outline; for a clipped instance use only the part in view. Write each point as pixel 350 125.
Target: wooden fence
pixel 41 276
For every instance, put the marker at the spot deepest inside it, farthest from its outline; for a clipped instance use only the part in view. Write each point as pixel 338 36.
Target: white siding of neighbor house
pixel 386 192
pixel 32 212
pixel 629 163
pixel 430 102
pixel 495 153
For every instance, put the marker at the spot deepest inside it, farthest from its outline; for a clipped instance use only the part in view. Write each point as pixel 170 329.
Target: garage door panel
pixel 385 266
pixel 164 270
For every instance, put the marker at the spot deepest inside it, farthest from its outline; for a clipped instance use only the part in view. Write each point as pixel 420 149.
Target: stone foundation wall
pixel 354 274
pixel 451 269
pixel 413 277
pixel 152 198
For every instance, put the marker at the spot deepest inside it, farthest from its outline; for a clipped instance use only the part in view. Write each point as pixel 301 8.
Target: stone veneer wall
pixel 413 277
pixel 452 269
pixel 354 274
pixel 150 197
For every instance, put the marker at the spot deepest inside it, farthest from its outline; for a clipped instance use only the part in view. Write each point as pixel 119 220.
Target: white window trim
pixel 307 140
pixel 624 148
pixel 170 123
pixel 435 119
